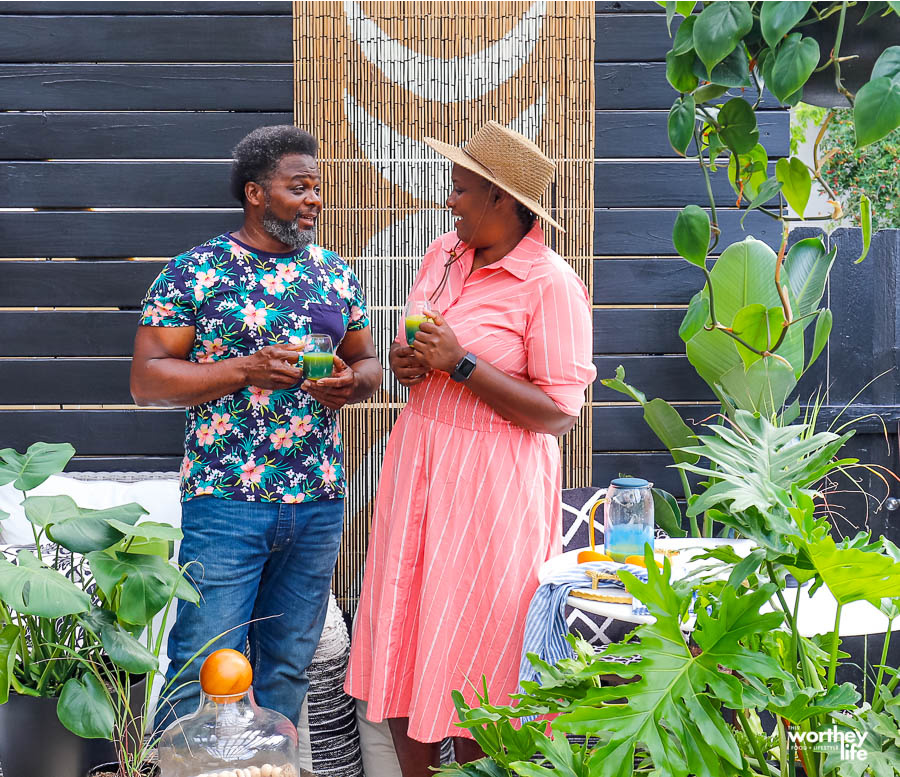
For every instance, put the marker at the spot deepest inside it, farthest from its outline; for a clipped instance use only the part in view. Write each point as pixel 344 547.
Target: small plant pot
pixel 111 769
pixel 865 42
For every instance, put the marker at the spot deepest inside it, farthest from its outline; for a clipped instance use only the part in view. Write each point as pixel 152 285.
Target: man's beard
pixel 287 231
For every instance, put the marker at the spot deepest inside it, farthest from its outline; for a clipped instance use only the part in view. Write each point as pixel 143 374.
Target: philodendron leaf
pixel 888 64
pixel 807 702
pixel 85 708
pixel 691 235
pixel 709 92
pixel 852 574
pixel 806 268
pixel 795 60
pixel 865 221
pixel 144 583
pixel 822 333
pixel 737 125
pixel 679 71
pixel 28 470
pixel 684 37
pixel 758 327
pixel 876 112
pixel 777 18
pixel 796 183
pixel 31 588
pixel 9 640
pixel 695 319
pixel 719 29
pixel 673 684
pixel 766 192
pixel 681 123
pixel 748 172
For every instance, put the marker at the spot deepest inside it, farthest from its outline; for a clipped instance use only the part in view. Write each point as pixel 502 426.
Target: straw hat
pixel 508 160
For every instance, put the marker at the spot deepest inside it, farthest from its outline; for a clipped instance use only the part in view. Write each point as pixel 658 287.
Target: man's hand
pixel 273 367
pixel 333 392
pixel 407 367
pixel 436 345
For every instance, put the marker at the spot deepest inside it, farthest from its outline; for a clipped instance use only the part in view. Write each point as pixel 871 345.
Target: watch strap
pixel 464 368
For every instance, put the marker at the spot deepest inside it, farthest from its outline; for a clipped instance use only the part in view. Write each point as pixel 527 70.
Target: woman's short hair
pixel 258 154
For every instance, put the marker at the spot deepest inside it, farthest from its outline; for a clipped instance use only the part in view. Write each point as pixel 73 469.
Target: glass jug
pixel 229 736
pixel 628 518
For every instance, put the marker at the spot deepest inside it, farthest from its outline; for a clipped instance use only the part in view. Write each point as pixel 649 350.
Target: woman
pixel 468 506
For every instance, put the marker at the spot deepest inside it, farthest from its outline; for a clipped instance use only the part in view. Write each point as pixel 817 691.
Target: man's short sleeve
pixel 558 341
pixel 170 300
pixel 359 314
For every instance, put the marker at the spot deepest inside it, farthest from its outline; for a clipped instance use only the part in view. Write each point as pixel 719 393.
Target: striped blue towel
pixel 545 624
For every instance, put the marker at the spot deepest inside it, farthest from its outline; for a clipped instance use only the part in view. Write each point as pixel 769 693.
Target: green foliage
pixel 873 172
pixel 65 636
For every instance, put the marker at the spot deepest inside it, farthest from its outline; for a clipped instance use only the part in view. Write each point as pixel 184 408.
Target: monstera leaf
pixel 28 470
pixel 674 709
pixel 32 588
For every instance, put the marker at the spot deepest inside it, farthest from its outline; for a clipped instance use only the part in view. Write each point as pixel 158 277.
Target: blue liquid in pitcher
pixel 627 539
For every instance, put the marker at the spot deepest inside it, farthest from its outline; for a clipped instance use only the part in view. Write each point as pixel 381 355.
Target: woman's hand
pixel 436 345
pixel 406 366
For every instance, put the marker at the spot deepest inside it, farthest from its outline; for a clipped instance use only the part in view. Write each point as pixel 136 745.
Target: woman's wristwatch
pixel 464 368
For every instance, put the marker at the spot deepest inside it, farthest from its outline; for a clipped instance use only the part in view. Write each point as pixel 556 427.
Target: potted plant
pixel 748 693
pixel 78 613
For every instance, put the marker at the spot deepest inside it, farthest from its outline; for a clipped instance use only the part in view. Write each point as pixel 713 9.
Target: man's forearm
pixel 171 382
pixel 368 378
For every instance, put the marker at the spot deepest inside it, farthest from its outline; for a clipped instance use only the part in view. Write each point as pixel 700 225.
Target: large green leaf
pixel 876 112
pixel 795 60
pixel 822 333
pixel 733 71
pixel 737 123
pixel 805 703
pixel 680 123
pixel 77 528
pixel 559 753
pixel 696 317
pixel 719 29
pixel 32 588
pixel 852 574
pixel 691 234
pixel 806 268
pixel 796 183
pixel 763 387
pixel 659 415
pixel 85 708
pixel 148 530
pixel 9 638
pixel 143 583
pixel 758 463
pixel 28 470
pixel 680 71
pixel 126 651
pixel 759 328
pixel 888 64
pixel 881 745
pixel 685 691
pixel 766 192
pixel 777 18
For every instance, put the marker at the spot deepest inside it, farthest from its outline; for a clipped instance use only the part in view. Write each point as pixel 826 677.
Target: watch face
pixel 465 368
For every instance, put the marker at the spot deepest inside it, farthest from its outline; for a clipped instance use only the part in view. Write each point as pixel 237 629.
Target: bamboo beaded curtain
pixel 372 79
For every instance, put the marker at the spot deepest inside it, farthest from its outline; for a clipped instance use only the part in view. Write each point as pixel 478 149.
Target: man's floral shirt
pixel 258 444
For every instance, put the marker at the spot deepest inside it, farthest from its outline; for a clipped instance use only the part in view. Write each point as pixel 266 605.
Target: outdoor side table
pixel 816 615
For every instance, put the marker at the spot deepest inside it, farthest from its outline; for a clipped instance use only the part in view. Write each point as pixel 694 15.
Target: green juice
pixel 412 326
pixel 317 365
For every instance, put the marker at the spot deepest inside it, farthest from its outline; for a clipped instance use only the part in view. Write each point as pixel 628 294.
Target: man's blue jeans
pixel 256 560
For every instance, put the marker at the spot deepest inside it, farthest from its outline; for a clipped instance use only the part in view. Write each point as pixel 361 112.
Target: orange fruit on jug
pixel 225 675
pixel 591 555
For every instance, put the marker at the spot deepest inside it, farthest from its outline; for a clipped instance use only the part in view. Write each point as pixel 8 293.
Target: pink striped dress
pixel 468 506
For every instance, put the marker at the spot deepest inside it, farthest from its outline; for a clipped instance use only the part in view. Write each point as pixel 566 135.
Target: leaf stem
pixel 754 742
pixel 877 697
pixel 835 642
pixel 835 56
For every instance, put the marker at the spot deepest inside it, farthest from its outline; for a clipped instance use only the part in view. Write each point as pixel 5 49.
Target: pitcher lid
pixel 630 483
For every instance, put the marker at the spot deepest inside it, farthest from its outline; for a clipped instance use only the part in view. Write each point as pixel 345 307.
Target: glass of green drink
pixel 415 317
pixel 318 361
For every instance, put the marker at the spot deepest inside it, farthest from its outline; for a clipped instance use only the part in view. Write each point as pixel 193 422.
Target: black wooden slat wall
pixel 132 109
pixel 116 124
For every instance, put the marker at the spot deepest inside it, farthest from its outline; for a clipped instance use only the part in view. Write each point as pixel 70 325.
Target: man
pixel 222 331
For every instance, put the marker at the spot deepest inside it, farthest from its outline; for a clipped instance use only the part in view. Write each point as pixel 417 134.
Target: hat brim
pixel 461 158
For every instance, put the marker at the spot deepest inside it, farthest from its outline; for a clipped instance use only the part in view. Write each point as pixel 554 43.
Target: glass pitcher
pixel 628 518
